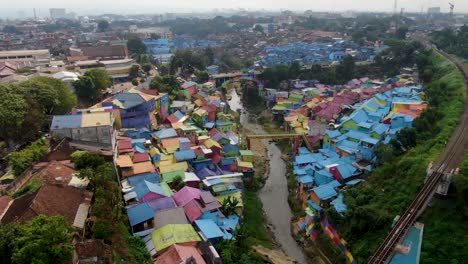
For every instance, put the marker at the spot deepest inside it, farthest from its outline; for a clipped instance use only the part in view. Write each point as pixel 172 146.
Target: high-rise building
pixel 56 13
pixel 433 10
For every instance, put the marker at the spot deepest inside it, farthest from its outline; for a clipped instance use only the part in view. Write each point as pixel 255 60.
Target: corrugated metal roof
pixel 66 121
pixel 139 213
pixel 96 119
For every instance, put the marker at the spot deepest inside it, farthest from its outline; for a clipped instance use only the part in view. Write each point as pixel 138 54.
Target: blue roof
pixel 304 159
pixel 323 177
pixel 314 205
pixel 339 204
pixel 354 134
pixel 366 124
pixel 359 116
pixel 304 150
pixel 185 155
pixel 325 192
pixel 381 128
pixel 413 238
pixel 370 140
pixel 66 121
pixel 139 213
pixel 333 133
pixel 306 179
pixel 209 228
pixel 144 187
pixel 150 177
pixel 347 170
pixel 165 133
pixel 354 182
pixel 129 100
pixel 184 140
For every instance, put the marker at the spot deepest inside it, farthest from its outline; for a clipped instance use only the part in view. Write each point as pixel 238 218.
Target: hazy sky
pixel 160 6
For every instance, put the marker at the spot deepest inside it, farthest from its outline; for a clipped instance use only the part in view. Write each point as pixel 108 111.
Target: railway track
pixel 451 157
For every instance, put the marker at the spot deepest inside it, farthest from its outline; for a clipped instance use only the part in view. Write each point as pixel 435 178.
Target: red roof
pixel 140 157
pixel 180 254
pixel 125 145
pixel 193 210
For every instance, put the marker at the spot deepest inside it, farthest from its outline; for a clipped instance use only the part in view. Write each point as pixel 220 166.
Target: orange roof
pixel 124 161
pixel 143 167
pixel 170 142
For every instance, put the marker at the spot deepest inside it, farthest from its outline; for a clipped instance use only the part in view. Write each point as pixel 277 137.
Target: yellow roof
pixel 210 143
pixel 154 151
pixel 179 166
pixel 237 195
pixel 245 164
pixel 96 119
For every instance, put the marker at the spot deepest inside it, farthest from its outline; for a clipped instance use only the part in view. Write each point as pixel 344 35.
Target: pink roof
pixel 185 195
pixel 193 210
pixel 179 254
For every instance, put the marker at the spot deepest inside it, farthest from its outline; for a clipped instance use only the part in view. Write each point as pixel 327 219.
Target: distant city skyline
pixel 24 8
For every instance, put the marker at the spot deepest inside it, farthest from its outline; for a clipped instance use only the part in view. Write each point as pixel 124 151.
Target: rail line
pixel 385 250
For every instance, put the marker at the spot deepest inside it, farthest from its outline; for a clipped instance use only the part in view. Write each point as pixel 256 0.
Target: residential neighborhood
pixel 137 133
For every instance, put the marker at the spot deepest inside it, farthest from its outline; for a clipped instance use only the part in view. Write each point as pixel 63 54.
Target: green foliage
pixel 401 32
pixel 103 25
pixel 155 36
pixel 455 42
pixel 137 248
pixel 258 28
pixel 135 82
pixel 187 60
pixel 135 45
pixel 8 234
pixel 229 205
pixel 202 76
pixel 165 84
pixel 177 183
pixel 32 187
pixel 21 160
pixel 251 98
pixel 199 27
pixel 83 159
pixel 24 70
pixel 134 71
pixel 392 186
pixel 91 85
pixel 44 240
pixel 24 107
pixel 446 225
pixel 146 67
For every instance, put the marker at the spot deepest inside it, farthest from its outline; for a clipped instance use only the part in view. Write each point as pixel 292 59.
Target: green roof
pixel 246 152
pixel 279 107
pixel 169 177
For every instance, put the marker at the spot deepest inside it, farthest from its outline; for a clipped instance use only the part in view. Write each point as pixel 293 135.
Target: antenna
pixel 452 6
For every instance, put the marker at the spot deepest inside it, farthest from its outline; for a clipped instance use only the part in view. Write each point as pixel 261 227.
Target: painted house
pixel 189 88
pixel 93 131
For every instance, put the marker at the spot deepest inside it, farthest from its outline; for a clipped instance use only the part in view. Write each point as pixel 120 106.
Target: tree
pixel 100 78
pixel 134 71
pixel 83 159
pixel 44 240
pixel 146 67
pixel 347 69
pixel 155 36
pixel 8 234
pixel 135 45
pixel 229 205
pixel 103 26
pixel 209 55
pixel 13 109
pixel 401 32
pixel 85 89
pixel 164 84
pixel 202 76
pixel 135 82
pixel 21 160
pixel 258 28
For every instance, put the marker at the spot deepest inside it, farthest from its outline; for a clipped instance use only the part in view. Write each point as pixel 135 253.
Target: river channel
pixel 274 195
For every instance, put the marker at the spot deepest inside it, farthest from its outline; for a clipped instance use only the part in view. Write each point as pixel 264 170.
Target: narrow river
pixel 274 195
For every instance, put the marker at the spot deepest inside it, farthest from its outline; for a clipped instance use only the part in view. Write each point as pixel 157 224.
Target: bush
pixel 21 160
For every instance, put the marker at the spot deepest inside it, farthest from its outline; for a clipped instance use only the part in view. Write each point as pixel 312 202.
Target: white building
pixel 26 57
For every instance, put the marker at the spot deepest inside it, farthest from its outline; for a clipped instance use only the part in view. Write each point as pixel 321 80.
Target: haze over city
pixel 89 7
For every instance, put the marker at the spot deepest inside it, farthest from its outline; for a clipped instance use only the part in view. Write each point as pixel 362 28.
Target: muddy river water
pixel 274 195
